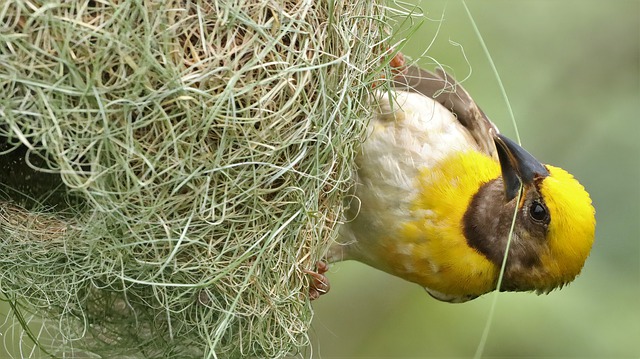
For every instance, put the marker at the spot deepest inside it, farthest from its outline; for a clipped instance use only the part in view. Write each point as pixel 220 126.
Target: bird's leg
pixel 398 64
pixel 398 67
pixel 319 282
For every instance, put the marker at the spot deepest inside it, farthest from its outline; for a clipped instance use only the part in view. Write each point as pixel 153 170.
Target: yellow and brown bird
pixel 437 189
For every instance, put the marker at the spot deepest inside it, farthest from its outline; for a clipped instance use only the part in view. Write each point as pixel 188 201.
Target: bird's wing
pixel 444 89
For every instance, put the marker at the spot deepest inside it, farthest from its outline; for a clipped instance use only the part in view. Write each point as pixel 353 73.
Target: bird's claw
pixel 397 65
pixel 319 282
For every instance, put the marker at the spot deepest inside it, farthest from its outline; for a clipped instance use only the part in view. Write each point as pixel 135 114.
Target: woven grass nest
pixel 170 168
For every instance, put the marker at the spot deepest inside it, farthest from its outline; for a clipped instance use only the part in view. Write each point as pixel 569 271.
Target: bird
pixel 437 188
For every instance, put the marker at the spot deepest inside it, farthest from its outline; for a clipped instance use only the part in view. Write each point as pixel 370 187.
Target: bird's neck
pixel 449 187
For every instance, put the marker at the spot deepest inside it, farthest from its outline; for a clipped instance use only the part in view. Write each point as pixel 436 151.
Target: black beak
pixel 518 166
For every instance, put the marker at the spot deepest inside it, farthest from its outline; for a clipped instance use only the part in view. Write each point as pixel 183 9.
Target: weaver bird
pixel 437 190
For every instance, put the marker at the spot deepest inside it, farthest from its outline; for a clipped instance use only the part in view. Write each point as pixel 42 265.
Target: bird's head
pixel 554 227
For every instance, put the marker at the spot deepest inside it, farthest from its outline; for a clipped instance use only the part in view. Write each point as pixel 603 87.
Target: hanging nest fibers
pixel 170 168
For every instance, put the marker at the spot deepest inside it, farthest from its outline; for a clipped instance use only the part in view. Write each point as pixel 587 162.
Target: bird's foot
pixel 397 64
pixel 319 282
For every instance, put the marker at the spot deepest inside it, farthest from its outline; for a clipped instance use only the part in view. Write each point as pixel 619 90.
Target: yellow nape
pixel 442 260
pixel 572 227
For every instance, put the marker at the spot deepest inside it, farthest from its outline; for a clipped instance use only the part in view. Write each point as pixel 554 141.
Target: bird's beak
pixel 518 166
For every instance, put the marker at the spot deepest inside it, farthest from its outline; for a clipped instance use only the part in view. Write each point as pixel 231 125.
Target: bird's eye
pixel 538 212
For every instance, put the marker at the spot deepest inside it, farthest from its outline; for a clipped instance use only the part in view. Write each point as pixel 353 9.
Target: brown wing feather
pixel 444 89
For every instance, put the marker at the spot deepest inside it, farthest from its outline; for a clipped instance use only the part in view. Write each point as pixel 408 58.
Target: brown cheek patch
pixel 481 221
pixel 486 225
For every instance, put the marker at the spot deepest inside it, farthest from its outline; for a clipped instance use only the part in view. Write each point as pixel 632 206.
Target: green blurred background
pixel 571 71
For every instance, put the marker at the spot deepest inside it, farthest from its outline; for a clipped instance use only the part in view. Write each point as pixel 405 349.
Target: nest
pixel 170 168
